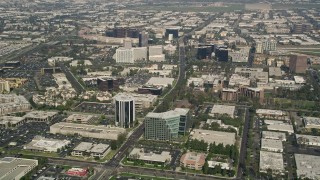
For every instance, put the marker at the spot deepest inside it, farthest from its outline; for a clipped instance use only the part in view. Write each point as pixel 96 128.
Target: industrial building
pixel 274 135
pixel 84 130
pixel 311 122
pixel 193 160
pixel 217 137
pixel 271 160
pixel 308 140
pixel 91 149
pixel 271 145
pixel 12 168
pixel 40 144
pixel 124 111
pixel 150 157
pixel 308 166
pixel 271 114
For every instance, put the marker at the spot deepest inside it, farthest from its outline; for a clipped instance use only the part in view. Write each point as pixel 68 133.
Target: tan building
pixel 193 160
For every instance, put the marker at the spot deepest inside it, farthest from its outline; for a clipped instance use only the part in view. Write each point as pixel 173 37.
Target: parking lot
pixel 97 108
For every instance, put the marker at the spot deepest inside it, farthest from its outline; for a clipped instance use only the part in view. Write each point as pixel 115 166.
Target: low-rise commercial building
pixel 40 116
pixel 159 81
pixel 308 140
pixel 281 127
pixel 271 160
pixel 150 157
pixel 142 101
pixel 16 168
pixel 11 121
pixel 39 143
pixel 84 130
pixel 193 160
pixel 271 145
pixel 274 135
pixel 11 103
pixel 308 166
pixel 218 110
pixel 311 122
pixel 216 137
pixel 80 118
pixel 272 114
pixel 90 149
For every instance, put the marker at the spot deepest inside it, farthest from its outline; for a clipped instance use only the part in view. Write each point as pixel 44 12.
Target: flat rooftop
pixel 40 114
pixel 10 167
pixel 281 127
pixel 159 81
pixel 223 109
pixel 150 156
pixel 308 166
pixel 270 112
pixel 46 144
pixel 214 136
pixel 274 135
pixel 311 121
pixel 271 144
pixel 308 139
pixel 10 119
pixel 271 160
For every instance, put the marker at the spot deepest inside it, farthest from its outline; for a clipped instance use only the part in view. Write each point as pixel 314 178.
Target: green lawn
pixel 309 52
pixel 108 156
pixel 31 153
pixel 227 8
pixel 138 176
pixel 295 6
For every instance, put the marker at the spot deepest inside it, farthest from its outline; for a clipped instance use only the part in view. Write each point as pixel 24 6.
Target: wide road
pixel 243 149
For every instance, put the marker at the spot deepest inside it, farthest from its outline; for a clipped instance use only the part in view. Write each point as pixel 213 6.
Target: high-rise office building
pixel 298 64
pixel 125 111
pixel 221 53
pixel 173 31
pixel 143 39
pixel 167 125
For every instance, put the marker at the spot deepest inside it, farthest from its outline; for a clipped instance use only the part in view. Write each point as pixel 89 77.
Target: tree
pixel 113 145
pixel 205 168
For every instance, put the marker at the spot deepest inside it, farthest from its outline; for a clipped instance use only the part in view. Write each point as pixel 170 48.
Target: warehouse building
pixel 271 160
pixel 308 166
pixel 271 145
pixel 274 135
pixel 311 122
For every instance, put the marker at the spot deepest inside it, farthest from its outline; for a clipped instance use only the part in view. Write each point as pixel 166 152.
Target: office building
pixel 162 126
pixel 125 111
pixel 271 145
pixel 11 121
pixel 81 118
pixel 219 110
pixel 174 31
pixel 266 45
pixel 154 90
pixel 40 116
pixel 143 39
pixel 12 168
pixel 91 149
pixel 11 103
pixel 274 135
pixel 271 114
pixel 221 53
pixel 85 130
pixel 308 140
pixel 150 157
pixel 43 144
pixel 193 160
pixel 300 28
pixel 142 101
pixel 298 64
pixel 185 119
pixel 108 84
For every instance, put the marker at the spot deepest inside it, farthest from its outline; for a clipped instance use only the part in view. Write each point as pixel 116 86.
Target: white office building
pixel 125 111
